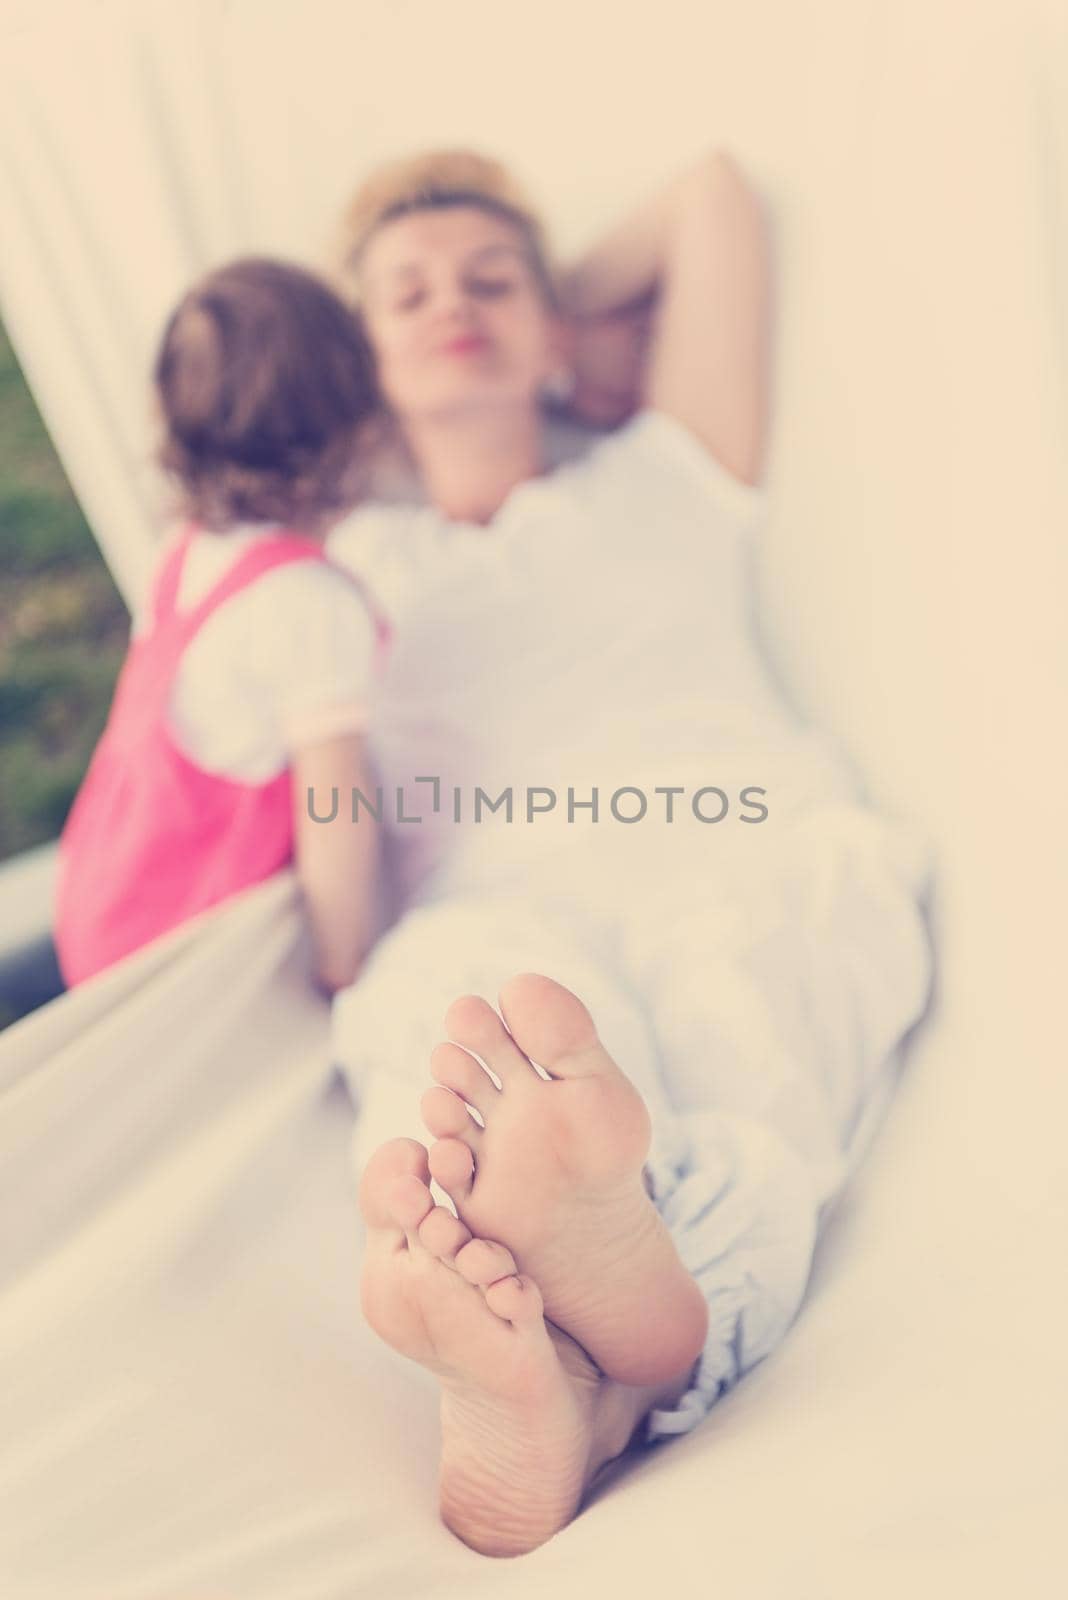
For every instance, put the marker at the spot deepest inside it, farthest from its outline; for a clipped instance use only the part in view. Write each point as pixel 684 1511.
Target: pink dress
pixel 152 839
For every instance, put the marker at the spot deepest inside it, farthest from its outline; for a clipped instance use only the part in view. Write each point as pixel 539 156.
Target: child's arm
pixel 697 254
pixel 338 862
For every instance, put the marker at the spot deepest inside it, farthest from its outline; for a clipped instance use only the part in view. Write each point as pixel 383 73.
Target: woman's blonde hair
pixel 430 181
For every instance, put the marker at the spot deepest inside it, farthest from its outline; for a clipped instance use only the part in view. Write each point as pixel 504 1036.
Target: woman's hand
pixel 608 357
pixel 698 250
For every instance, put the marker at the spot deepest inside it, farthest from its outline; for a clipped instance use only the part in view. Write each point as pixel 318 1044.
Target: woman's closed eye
pixel 481 288
pixel 491 288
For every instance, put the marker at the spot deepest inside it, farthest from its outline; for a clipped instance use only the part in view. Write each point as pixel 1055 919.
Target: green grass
pixel 63 626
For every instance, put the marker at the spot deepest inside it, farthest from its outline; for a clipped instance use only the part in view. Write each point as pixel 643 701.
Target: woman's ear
pixel 563 338
pixel 559 382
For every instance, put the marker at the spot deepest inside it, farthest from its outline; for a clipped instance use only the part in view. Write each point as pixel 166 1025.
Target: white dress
pixel 753 964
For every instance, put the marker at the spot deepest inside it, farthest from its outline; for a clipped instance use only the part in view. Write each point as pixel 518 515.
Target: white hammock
pixel 191 1403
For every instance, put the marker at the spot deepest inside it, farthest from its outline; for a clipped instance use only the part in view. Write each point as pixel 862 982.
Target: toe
pixel 397 1158
pixel 473 1023
pixel 443 1234
pixel 452 1165
pixel 517 1299
pixel 460 1072
pixel 446 1116
pixel 483 1261
pixel 553 1027
pixel 410 1200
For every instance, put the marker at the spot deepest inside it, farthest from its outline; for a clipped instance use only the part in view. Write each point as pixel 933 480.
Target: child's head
pixel 264 382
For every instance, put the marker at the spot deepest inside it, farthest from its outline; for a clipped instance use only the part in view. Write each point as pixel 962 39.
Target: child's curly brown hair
pixel 265 383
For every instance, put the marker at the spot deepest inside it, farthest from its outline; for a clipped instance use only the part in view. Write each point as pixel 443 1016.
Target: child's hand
pixel 328 984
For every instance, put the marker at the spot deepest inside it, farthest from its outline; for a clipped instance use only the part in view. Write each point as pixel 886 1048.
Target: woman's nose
pixel 454 304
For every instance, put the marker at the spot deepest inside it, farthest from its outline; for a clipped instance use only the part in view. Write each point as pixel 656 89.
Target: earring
pixel 559 386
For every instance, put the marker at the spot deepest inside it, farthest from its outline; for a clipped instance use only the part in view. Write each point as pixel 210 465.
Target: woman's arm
pixel 695 260
pixel 338 862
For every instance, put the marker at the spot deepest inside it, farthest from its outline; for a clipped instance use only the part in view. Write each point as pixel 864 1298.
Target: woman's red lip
pixel 465 344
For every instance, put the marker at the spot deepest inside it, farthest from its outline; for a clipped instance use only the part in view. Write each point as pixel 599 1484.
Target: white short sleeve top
pixel 600 629
pixel 286 662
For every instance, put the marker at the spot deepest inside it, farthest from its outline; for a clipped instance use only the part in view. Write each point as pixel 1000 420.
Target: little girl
pixel 248 672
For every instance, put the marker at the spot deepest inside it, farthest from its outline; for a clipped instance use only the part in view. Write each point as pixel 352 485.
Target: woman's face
pixel 456 314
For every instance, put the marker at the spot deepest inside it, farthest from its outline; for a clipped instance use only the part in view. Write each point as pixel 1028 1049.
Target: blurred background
pixel 63 628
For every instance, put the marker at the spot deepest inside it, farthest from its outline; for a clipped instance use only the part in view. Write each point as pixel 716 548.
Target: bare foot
pixel 519 1401
pixel 556 1174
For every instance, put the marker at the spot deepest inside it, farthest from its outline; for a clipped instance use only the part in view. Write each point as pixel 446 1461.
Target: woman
pixel 599 793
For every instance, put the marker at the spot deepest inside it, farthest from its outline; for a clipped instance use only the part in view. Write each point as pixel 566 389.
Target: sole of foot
pixel 518 1399
pixel 555 1172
